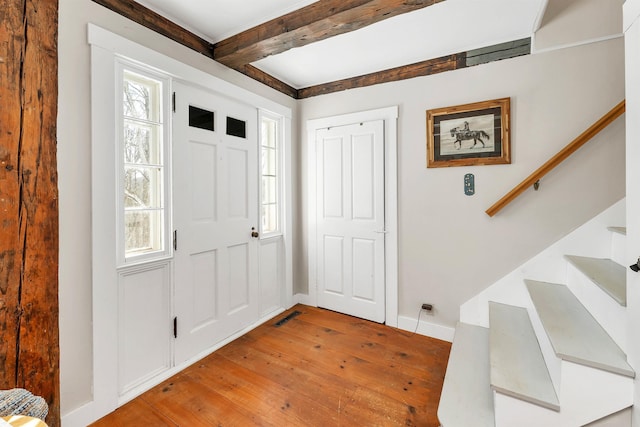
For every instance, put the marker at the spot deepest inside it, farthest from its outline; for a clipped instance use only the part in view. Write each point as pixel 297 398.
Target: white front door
pixel 215 199
pixel 350 219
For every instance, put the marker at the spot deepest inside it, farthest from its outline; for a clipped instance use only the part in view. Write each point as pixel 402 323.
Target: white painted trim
pixel 122 66
pixel 304 299
pixel 538 22
pixel 312 297
pixel 287 212
pixel 390 117
pixel 631 13
pixel 286 194
pixel 135 52
pixel 106 47
pixel 87 413
pixel 81 416
pixel 103 202
pixel 135 392
pixel 535 51
pixel 433 330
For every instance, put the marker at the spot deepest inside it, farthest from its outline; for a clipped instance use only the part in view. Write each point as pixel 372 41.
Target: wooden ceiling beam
pixel 424 68
pixel 267 79
pixel 318 21
pixel 161 25
pixel 429 67
pixel 335 17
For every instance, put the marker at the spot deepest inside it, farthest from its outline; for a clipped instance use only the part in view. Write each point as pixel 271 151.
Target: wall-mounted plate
pixel 469 185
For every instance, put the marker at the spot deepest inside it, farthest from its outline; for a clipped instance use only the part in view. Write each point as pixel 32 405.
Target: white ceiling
pixel 448 27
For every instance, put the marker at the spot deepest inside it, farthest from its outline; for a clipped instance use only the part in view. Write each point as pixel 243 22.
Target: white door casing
pixel 631 10
pixel 215 208
pixel 350 219
pixel 389 116
pixel 106 49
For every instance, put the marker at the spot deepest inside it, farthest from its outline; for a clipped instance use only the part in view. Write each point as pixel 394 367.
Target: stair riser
pixel 580 399
pixel 592 239
pixel 602 307
pixel 619 248
pixel 582 402
pixel 587 395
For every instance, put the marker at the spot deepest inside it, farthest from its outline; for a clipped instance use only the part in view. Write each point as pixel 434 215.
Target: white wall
pixel 449 249
pixel 570 22
pixel 74 175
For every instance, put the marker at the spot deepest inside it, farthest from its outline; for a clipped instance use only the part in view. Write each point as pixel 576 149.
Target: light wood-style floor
pixel 320 368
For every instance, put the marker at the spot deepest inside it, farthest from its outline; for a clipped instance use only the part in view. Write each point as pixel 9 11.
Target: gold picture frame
pixel 470 134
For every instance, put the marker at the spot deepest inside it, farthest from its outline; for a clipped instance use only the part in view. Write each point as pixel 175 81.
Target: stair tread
pixel 466 383
pixel 574 334
pixel 619 230
pixel 518 368
pixel 610 276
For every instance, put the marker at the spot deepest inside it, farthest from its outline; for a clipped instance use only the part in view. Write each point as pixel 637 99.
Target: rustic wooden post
pixel 29 346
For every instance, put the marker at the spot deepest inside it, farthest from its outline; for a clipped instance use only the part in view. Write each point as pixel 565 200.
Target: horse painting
pixel 465 134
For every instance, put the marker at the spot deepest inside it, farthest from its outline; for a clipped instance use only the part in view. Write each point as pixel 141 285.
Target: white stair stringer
pixel 587 394
pixel 592 239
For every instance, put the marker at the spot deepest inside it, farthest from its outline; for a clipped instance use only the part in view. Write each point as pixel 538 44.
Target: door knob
pixel 635 267
pixel 254 233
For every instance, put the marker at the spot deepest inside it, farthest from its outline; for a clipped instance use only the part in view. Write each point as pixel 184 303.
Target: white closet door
pixel 350 219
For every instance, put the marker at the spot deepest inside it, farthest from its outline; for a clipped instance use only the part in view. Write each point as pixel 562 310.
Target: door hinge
pixel 173 102
pixel 175 240
pixel 175 327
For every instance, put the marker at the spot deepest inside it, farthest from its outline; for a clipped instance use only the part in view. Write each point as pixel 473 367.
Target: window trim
pixel 106 48
pixel 280 159
pixel 124 260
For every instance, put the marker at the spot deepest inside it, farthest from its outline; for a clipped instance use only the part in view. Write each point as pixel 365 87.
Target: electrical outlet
pixel 427 307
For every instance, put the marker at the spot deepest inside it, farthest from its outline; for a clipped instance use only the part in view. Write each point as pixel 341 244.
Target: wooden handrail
pixel 558 158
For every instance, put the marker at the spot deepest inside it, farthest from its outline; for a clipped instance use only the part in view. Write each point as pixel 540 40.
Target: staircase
pixel 545 345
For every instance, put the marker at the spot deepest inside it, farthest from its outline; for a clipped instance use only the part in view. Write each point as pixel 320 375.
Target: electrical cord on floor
pixel 418 322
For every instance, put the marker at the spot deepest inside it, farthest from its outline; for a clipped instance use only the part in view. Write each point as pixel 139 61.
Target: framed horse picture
pixel 469 135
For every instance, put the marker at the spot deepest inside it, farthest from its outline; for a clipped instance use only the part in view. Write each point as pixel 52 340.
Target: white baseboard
pixel 406 323
pixel 82 416
pixel 432 330
pixel 304 299
pixel 92 411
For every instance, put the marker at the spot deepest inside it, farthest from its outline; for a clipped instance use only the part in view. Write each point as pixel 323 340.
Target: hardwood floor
pixel 320 368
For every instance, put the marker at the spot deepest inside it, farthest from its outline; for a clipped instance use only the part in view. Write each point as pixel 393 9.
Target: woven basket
pixel 19 401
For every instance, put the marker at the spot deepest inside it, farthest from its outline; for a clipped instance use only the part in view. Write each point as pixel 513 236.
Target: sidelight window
pixel 270 203
pixel 143 175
